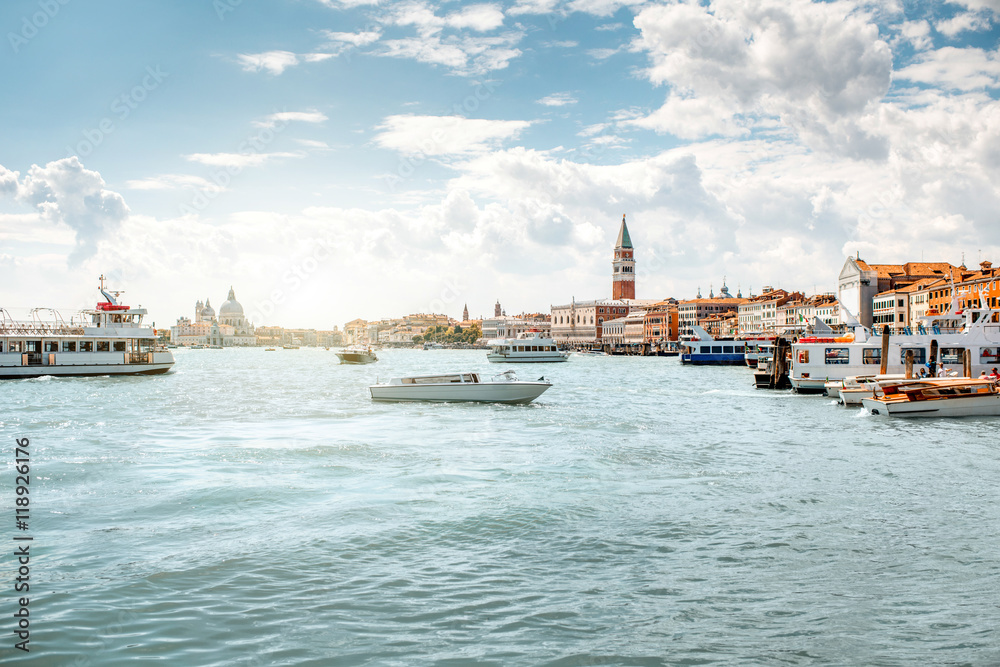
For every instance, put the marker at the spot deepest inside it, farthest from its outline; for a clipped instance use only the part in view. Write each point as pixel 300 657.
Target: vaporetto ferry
pixel 529 347
pixel 817 360
pixel 108 340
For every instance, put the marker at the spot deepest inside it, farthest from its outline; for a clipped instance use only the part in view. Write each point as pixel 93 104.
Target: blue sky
pixel 333 160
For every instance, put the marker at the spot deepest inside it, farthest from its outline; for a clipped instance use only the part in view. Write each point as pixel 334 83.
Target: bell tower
pixel 623 266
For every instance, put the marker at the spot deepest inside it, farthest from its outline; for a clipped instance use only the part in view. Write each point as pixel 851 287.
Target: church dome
pixel 207 312
pixel 231 307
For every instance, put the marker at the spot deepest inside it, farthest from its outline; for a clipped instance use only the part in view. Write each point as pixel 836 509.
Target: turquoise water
pixel 256 508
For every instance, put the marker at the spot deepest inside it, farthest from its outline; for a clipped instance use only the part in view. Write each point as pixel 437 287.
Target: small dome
pixel 231 307
pixel 207 312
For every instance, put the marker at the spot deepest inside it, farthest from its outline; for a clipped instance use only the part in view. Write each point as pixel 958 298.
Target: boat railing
pixel 12 327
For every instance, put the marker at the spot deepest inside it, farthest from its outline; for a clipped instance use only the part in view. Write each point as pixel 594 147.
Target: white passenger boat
pixel 529 347
pixel 937 397
pixel 356 354
pixel 818 360
pixel 704 350
pixel 108 340
pixel 459 387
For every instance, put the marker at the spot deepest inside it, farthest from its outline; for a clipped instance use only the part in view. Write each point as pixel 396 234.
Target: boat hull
pixel 696 359
pixel 501 392
pixel 90 370
pixel 965 406
pixel 355 358
pixel 527 358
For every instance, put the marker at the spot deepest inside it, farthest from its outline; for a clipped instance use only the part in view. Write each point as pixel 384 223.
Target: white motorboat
pixel 459 387
pixel 937 397
pixel 529 347
pixel 356 354
pixel 107 340
pixel 853 389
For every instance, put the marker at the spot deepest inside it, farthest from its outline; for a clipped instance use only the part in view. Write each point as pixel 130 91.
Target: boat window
pixel 467 377
pixel 919 355
pixel 86 346
pixel 803 356
pixel 119 346
pixel 32 346
pixel 871 355
pixel 69 346
pixel 951 355
pixel 728 349
pixel 739 349
pixel 103 346
pixel 716 349
pixel 838 355
pixel 988 355
pixel 51 346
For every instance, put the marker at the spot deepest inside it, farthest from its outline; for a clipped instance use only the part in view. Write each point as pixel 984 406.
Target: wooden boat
pixel 357 354
pixel 459 387
pixel 936 397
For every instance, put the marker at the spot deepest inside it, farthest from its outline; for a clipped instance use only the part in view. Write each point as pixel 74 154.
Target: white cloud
pixel 354 38
pixel 445 135
pixel 64 192
pixel 237 160
pixel 691 118
pixel 533 7
pixel 284 117
pixel 465 56
pixel 964 22
pixel 557 100
pixel 173 182
pixel 276 62
pixel 955 69
pixel 917 33
pixel 818 67
pixel 481 18
pixel 8 181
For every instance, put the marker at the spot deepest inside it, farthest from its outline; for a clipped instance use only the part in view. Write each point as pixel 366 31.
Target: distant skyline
pixel 333 159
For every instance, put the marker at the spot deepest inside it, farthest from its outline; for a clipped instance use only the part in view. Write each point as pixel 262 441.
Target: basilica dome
pixel 207 313
pixel 231 307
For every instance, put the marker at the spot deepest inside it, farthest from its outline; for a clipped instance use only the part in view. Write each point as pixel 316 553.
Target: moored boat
pixel 937 397
pixel 459 387
pixel 938 339
pixel 704 350
pixel 107 340
pixel 529 347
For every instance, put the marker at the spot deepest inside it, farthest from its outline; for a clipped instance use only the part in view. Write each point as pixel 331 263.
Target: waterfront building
pixel 613 332
pixel 691 311
pixel 356 332
pixel 758 315
pixel 582 322
pixel 511 327
pixel 721 325
pixel 623 266
pixel 860 282
pixel 661 322
pixel 635 327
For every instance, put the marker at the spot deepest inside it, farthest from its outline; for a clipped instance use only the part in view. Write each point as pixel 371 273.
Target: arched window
pixel 591 319
pixel 600 320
